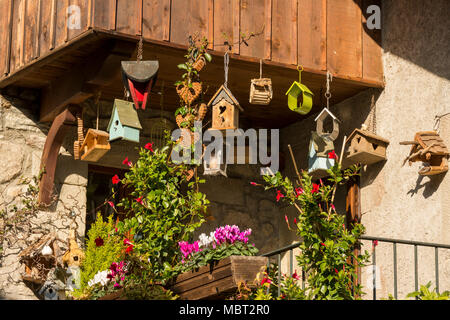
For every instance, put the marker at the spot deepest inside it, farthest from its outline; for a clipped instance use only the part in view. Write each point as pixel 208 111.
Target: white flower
pixel 100 277
pixel 205 241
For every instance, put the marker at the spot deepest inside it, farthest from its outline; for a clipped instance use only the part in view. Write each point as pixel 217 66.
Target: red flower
pixel 126 241
pixel 279 195
pixel 115 179
pixel 253 183
pixel 127 162
pixel 375 243
pixel 129 249
pixel 299 191
pixel 111 204
pixel 295 276
pixel 315 188
pixel 149 146
pixel 332 155
pixel 99 242
pixel 333 207
pixel 336 270
pixel 139 200
pixel 266 280
pixel 322 244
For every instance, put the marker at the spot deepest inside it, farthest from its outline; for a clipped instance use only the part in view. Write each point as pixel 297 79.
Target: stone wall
pixel 396 201
pixel 22 140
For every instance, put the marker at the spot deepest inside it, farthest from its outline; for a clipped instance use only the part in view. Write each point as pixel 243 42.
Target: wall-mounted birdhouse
pixel 366 147
pixel 139 77
pixel 95 145
pixel 429 148
pixel 225 110
pixel 300 98
pixel 319 160
pixel 124 123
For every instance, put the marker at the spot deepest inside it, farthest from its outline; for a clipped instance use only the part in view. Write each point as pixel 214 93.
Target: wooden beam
pixel 81 82
pixel 49 158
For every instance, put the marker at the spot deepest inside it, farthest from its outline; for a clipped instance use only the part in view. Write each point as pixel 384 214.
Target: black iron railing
pixel 279 252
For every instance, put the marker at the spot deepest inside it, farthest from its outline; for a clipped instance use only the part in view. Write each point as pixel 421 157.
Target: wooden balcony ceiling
pixel 57 65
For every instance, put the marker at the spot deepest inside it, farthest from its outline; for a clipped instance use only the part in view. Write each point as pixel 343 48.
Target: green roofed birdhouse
pixel 225 110
pixel 124 123
pixel 366 147
pixel 300 98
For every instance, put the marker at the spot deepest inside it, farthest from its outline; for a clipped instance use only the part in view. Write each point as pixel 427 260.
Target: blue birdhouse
pixel 124 123
pixel 318 159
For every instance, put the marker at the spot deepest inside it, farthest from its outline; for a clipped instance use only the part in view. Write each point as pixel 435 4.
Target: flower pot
pixel 189 95
pixel 199 64
pixel 219 280
pixel 116 295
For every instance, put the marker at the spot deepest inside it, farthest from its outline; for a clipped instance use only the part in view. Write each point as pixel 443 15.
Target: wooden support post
pixel 55 138
pixel 353 212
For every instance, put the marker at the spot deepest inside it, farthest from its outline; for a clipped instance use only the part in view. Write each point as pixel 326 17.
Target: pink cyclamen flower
pixel 279 195
pixel 149 146
pixel 115 179
pixel 127 162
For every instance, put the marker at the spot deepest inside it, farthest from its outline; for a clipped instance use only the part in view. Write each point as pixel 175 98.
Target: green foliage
pixel 327 246
pixel 207 256
pixel 99 258
pixel 425 293
pixel 167 209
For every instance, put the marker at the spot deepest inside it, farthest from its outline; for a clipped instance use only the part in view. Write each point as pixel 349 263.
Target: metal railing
pixel 279 252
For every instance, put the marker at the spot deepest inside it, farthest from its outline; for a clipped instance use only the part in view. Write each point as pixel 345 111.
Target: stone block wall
pixel 22 140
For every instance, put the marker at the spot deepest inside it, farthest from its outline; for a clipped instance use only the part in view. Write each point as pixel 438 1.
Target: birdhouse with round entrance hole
pixel 124 123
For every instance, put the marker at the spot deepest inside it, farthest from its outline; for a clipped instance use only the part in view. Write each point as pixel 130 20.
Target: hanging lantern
pixel 215 165
pixel 139 77
pixel 300 98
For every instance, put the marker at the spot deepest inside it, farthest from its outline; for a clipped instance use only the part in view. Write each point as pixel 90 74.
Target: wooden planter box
pixel 217 281
pixel 117 295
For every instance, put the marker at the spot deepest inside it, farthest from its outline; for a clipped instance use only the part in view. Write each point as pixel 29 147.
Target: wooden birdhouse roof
pixel 36 248
pixel 433 140
pixel 127 114
pixel 224 93
pixel 368 134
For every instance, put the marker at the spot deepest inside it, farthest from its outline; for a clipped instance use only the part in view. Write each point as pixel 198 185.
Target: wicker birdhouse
pixel 366 147
pixel 225 110
pixel 429 148
pixel 318 158
pixel 300 98
pixel 124 123
pixel 261 91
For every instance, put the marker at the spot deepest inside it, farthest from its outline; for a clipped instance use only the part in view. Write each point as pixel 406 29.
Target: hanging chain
pixel 328 93
pixel 226 61
pixel 140 49
pixel 373 116
pixel 437 122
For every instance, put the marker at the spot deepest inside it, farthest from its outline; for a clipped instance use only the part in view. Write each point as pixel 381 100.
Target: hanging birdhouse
pixel 261 92
pixel 429 148
pixel 225 110
pixel 124 123
pixel 319 160
pixel 139 77
pixel 320 119
pixel 366 147
pixel 95 145
pixel 300 98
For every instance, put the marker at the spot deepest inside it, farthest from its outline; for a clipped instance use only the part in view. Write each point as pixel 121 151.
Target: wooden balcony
pixel 38 49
